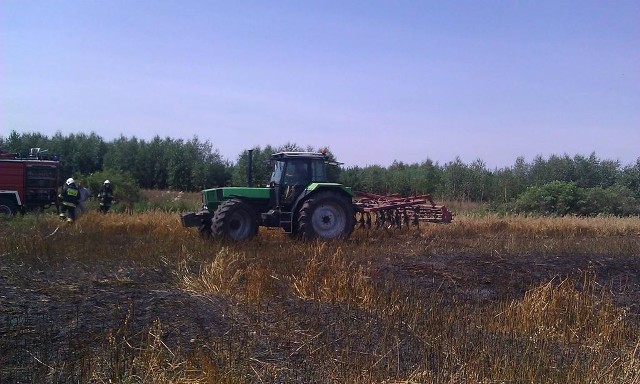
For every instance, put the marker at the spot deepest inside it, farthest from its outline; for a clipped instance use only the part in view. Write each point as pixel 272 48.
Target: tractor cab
pixel 292 173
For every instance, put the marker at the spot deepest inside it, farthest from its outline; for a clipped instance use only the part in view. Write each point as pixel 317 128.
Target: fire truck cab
pixel 28 183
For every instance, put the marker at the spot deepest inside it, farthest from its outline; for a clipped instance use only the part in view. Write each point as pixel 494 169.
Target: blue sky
pixel 375 81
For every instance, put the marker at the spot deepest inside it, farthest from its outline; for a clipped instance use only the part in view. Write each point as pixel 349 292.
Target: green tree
pixel 123 155
pixel 428 178
pixel 399 178
pixel 374 180
pixel 480 183
pixel 521 172
pixel 610 173
pixel 616 200
pixel 261 167
pixel 630 178
pixel 22 143
pixel 152 155
pixel 210 170
pixel 78 153
pixel 352 177
pixel 457 180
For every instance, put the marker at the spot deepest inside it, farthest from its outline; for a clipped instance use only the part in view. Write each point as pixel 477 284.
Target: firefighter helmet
pixel 70 181
pixel 107 182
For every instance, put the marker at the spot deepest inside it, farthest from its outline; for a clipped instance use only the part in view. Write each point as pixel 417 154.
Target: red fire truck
pixel 28 183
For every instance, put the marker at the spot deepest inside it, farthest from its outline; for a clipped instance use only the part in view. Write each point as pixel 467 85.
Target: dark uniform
pixel 105 196
pixel 70 197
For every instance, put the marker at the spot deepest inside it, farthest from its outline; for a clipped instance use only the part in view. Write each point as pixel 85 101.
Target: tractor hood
pixel 213 197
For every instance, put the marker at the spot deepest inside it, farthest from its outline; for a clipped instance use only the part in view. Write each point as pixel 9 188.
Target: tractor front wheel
pixel 235 220
pixel 327 215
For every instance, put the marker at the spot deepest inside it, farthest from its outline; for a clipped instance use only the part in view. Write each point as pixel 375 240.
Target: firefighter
pixel 105 196
pixel 70 197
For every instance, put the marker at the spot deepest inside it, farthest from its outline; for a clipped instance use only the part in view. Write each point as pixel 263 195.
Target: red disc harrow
pixel 380 211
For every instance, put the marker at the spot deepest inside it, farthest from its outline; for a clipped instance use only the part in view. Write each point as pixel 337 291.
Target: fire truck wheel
pixel 8 207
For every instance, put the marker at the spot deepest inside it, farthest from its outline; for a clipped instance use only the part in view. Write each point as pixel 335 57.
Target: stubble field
pixel 137 298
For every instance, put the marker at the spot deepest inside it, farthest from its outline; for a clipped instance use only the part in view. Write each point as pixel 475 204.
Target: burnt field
pixel 137 298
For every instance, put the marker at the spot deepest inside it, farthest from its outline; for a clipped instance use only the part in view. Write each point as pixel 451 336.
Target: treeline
pixel 456 180
pixel 160 163
pixel 579 182
pixel 558 185
pixel 155 164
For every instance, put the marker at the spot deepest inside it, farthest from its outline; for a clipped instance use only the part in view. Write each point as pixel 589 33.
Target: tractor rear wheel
pixel 235 220
pixel 327 215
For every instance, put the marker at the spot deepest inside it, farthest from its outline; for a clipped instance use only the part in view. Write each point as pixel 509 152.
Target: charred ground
pixel 130 298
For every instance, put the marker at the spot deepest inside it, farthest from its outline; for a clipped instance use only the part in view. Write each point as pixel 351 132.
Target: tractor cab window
pixel 318 171
pixel 297 173
pixel 278 171
pixel 296 177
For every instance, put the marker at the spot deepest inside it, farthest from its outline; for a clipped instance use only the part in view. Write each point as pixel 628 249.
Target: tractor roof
pixel 298 155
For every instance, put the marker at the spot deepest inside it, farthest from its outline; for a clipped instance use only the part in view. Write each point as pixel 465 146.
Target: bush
pixel 125 189
pixel 563 198
pixel 555 198
pixel 617 200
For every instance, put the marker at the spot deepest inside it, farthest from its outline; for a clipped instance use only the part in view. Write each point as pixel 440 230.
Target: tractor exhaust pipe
pixel 250 168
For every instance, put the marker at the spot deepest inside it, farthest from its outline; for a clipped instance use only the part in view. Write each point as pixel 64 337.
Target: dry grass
pixel 137 298
pixel 162 197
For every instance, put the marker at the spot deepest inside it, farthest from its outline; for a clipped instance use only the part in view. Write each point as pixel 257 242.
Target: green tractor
pixel 298 199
